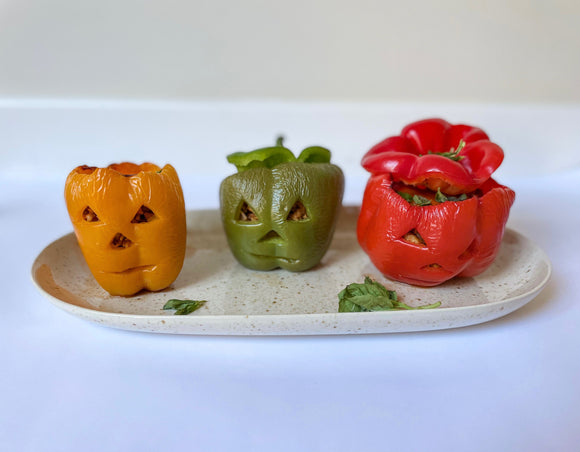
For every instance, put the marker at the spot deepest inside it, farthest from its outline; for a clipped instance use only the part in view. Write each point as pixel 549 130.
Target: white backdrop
pixel 448 50
pixel 46 139
pixel 169 81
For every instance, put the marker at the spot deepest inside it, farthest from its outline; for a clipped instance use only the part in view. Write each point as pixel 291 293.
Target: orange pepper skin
pixel 461 238
pixel 130 224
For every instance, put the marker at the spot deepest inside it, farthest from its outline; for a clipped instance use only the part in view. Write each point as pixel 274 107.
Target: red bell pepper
pixel 412 224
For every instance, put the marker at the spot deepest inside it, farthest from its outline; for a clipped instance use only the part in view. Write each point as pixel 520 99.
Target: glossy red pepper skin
pixel 461 238
pixel 411 157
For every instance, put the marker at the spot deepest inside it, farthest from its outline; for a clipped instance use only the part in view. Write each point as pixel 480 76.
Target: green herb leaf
pixel 416 200
pixel 183 307
pixel 440 197
pixel 372 296
pixel 406 196
pixel 346 305
pixel 421 201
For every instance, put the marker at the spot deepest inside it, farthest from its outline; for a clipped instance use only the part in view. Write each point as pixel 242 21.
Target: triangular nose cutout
pixel 120 241
pixel 271 235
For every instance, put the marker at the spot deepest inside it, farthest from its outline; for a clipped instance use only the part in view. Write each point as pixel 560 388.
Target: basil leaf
pixel 416 200
pixel 421 201
pixel 372 296
pixel 345 305
pixel 189 308
pixel 183 307
pixel 440 197
pixel 373 303
pixel 406 196
pixel 174 304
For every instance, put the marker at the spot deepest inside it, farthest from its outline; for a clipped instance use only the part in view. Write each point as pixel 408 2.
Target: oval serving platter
pixel 247 302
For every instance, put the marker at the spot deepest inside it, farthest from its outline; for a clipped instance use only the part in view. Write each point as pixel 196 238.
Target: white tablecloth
pixel 71 385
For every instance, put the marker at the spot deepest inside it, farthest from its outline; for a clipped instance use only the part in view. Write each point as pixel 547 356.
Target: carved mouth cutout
pixel 435 268
pixel 140 268
pixel 284 259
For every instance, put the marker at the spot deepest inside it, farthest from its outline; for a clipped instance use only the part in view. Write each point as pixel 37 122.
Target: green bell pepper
pixel 279 210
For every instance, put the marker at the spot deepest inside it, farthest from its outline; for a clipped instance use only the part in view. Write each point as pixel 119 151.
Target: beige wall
pixel 451 50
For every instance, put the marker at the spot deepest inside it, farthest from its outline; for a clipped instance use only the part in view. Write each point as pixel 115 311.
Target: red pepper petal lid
pixel 415 157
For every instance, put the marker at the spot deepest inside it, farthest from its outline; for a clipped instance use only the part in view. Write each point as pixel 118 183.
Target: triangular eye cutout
pixel 246 213
pixel 143 215
pixel 89 215
pixel 297 212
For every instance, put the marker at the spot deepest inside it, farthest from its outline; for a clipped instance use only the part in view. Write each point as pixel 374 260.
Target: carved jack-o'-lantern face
pixel 130 224
pixel 281 217
pixel 428 245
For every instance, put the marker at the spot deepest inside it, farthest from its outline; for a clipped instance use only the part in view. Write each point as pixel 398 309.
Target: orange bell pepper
pixel 129 221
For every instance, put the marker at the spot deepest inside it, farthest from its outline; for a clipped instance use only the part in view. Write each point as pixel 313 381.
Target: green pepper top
pixel 274 155
pixel 279 210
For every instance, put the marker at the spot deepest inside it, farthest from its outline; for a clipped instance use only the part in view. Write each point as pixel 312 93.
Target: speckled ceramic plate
pixel 246 302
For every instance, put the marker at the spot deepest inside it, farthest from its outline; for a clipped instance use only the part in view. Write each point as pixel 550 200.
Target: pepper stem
pixel 460 147
pixel 280 141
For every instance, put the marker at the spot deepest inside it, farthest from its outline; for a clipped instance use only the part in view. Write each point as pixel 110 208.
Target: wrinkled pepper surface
pixel 129 221
pixel 279 210
pixel 431 211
